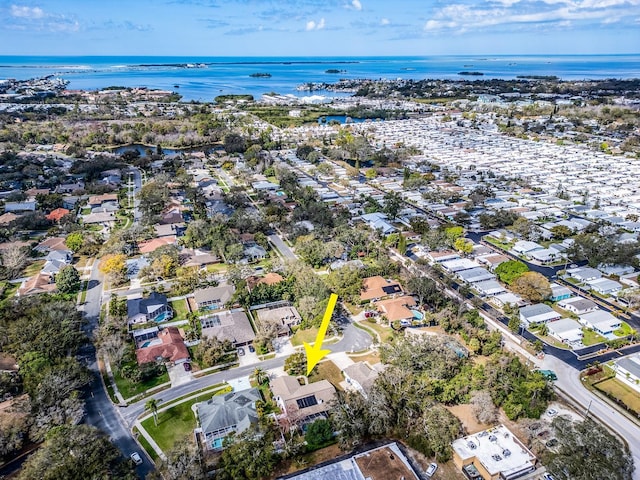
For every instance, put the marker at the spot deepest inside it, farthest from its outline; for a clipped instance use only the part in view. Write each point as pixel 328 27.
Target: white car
pixel 552 412
pixel 135 456
pixel 431 470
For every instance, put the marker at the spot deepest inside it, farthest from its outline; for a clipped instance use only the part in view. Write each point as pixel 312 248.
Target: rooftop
pixel 497 449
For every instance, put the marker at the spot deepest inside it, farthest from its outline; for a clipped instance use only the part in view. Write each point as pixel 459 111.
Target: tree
pixel 210 351
pixel 510 270
pixel 586 450
pixel 114 267
pixel 561 232
pixel 514 323
pixel 234 143
pixel 74 241
pixel 533 286
pixel 152 406
pixel 183 462
pixel 303 151
pixel 261 376
pixel 68 279
pixel 453 234
pixel 463 245
pixel 318 434
pixel 483 408
pixel 296 364
pixel 392 204
pixel 77 453
pixel 13 260
pixel 248 456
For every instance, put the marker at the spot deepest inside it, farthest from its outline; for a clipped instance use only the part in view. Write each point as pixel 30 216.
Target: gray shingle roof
pixel 235 408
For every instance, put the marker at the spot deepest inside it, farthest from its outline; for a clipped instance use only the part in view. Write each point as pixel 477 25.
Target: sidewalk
pixel 149 438
pixel 116 392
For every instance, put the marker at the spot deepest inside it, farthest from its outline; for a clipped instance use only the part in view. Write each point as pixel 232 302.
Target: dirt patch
pixel 446 471
pixel 371 358
pixel 468 419
pixel 383 464
pixel 310 459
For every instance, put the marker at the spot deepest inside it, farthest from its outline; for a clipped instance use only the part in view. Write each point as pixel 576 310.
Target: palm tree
pixel 152 405
pixel 260 375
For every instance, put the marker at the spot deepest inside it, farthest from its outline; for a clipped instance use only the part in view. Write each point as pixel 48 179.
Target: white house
pixel 489 287
pixel 538 313
pixel 546 255
pixel 604 286
pixel 566 330
pixel 578 305
pixel 474 275
pixel 602 322
pixel 584 274
pixel 525 247
pixel 628 370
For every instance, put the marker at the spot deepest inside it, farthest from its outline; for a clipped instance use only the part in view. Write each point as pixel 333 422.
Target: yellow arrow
pixel 315 353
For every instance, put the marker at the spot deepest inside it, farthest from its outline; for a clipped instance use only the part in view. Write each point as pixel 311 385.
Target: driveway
pixel 178 375
pixel 249 358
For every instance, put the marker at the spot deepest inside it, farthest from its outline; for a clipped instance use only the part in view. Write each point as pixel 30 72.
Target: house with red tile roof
pixel 168 347
pixel 149 246
pixel 57 214
pixel 378 287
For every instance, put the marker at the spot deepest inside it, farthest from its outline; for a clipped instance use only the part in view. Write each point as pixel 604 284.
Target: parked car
pixel 552 443
pixel 431 470
pixel 135 456
pixel 552 412
pixel 251 348
pixel 241 352
pixel 548 476
pixel 187 367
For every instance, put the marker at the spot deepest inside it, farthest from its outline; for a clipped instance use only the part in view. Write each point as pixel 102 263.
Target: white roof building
pixel 602 322
pixel 494 453
pixel 604 286
pixel 538 313
pixel 566 330
pixel 628 370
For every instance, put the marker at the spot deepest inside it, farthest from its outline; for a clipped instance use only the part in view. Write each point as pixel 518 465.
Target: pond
pixel 342 119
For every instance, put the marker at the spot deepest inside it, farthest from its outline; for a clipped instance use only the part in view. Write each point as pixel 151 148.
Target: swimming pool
pixel 216 444
pixel 145 344
pixel 417 315
pixel 162 317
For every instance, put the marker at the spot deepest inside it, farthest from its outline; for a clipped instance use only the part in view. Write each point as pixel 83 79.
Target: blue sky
pixel 318 27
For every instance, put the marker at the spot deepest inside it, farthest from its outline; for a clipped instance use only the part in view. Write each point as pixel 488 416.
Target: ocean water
pixel 203 78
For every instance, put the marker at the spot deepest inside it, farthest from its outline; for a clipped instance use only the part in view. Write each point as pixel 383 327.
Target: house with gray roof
pixel 360 376
pixel 224 415
pixel 213 298
pixel 578 305
pixel 628 371
pixel 153 308
pixel 585 274
pixel 232 325
pixel 538 313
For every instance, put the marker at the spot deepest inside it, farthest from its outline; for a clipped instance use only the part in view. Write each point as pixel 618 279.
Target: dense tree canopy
pixel 77 453
pixel 508 271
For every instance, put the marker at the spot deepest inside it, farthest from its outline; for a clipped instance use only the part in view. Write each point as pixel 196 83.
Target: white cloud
pixel 509 13
pixel 21 11
pixel 385 21
pixel 312 25
pixel 356 4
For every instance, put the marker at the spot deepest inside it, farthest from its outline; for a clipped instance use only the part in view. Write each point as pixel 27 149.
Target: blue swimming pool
pixel 162 317
pixel 145 344
pixel 417 315
pixel 217 443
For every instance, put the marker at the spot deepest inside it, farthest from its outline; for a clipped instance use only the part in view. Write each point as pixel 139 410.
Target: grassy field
pixel 498 243
pixel 175 423
pixel 624 330
pixel 591 338
pixel 308 335
pixel 180 309
pixel 129 389
pixel 372 358
pixel 617 389
pixel 327 371
pixel 385 332
pixel 33 268
pixel 147 446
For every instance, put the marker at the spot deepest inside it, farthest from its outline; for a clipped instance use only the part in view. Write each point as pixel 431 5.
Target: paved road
pixel 137 185
pixel 282 247
pixel 569 381
pixel 100 412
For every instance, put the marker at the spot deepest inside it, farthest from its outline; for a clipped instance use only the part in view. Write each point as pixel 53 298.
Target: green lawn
pixel 624 330
pixel 33 268
pixel 175 423
pixel 498 243
pixel 327 370
pixel 591 338
pixel 146 445
pixel 180 309
pixel 301 336
pixel 622 392
pixel 385 332
pixel 129 389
